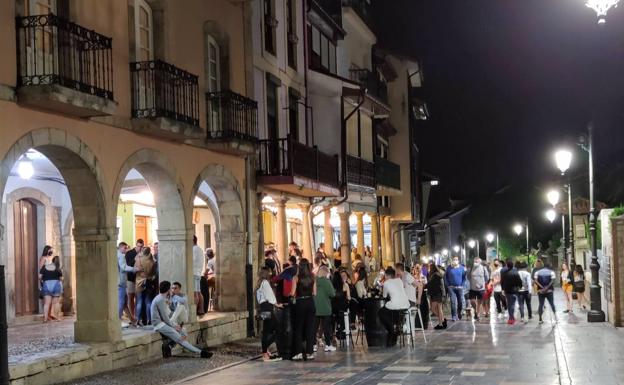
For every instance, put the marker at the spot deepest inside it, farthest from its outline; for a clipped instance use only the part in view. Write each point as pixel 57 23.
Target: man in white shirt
pixel 397 301
pixel 199 266
pixel 409 283
pixel 499 297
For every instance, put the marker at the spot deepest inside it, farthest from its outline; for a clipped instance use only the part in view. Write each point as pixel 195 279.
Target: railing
pixel 231 116
pixel 360 172
pixel 388 174
pixel 160 89
pixel 52 50
pixel 288 157
pixel 362 8
pixel 371 82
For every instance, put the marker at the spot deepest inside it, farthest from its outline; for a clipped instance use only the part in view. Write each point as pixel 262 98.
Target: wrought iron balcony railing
pixel 360 172
pixel 52 50
pixel 160 89
pixel 288 157
pixel 370 81
pixel 388 174
pixel 231 116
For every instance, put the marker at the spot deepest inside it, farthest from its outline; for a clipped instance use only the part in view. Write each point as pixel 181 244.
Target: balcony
pixel 371 82
pixel 363 9
pixel 63 67
pixel 388 176
pixel 232 121
pixel 360 172
pixel 165 101
pixel 289 166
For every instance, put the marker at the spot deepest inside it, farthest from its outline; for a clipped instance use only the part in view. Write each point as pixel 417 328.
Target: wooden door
pixel 141 228
pixel 26 258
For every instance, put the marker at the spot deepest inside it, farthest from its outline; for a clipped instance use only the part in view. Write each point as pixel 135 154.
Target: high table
pixel 376 334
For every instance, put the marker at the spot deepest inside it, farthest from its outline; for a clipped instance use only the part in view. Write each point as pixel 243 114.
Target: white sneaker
pixel 298 357
pixel 330 348
pixel 315 348
pixel 310 357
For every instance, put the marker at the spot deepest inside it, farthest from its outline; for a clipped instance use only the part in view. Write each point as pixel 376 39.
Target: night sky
pixel 510 82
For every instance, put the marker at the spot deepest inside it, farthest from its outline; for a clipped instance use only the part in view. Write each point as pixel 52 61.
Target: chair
pixel 398 324
pixel 345 338
pixel 361 332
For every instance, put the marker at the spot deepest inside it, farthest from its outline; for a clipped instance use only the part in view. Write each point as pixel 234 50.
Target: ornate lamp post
pixel 518 228
pixel 601 7
pixel 551 215
pixel 563 159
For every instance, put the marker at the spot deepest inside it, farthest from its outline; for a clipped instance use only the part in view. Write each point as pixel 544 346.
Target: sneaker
pixel 206 354
pixel 330 348
pixel 476 318
pixel 298 357
pixel 522 319
pixel 510 322
pixel 566 311
pixel 310 356
pixel 315 348
pixel 454 319
pixel 541 321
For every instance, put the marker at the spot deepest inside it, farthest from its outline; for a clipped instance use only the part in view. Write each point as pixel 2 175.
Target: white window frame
pixel 138 4
pixel 210 41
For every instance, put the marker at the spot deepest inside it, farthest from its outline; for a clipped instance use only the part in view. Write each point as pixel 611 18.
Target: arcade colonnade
pixel 94 160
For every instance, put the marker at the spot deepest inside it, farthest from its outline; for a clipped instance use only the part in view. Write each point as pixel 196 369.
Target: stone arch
pixel 95 262
pixel 230 235
pixel 174 235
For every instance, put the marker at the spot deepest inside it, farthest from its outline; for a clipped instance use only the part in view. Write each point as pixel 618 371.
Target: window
pixel 293 114
pixel 144 31
pixel 323 51
pixel 381 149
pixel 269 27
pixel 383 201
pixel 214 76
pixel 41 44
pixel 271 106
pixel 292 33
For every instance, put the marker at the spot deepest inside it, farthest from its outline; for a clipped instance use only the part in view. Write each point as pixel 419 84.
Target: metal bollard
pixel 4 342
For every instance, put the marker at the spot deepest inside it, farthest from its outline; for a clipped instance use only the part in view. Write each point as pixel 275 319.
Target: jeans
pixel 524 297
pixel 177 337
pixel 326 323
pixel 457 299
pixel 305 317
pixel 501 303
pixel 121 299
pixel 512 298
pixel 143 305
pixel 268 333
pixel 546 296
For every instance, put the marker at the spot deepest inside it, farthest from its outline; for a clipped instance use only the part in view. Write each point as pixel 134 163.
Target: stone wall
pixel 86 360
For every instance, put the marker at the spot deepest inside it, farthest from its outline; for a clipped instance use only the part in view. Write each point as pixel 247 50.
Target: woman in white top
pixel 267 303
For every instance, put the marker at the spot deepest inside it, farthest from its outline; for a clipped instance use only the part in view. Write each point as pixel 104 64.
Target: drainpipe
pixel 304 8
pixel 249 264
pixel 4 341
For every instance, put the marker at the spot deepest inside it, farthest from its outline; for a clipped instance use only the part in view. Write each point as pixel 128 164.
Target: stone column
pixel 306 239
pixel 360 233
pixel 231 272
pixel 175 260
pixel 281 238
pixel 382 247
pixel 375 235
pixel 96 286
pixel 328 233
pixel 389 248
pixel 345 240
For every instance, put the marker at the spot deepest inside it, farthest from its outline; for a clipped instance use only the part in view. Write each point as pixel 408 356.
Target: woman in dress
pixel 566 285
pixel 435 288
pixel 579 286
pixel 51 278
pixel 303 291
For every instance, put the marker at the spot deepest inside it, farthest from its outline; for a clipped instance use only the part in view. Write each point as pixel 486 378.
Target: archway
pixel 150 207
pixel 229 236
pixel 94 263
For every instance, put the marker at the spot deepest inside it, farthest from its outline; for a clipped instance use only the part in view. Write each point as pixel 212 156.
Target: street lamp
pixel 553 197
pixel 489 237
pixel 518 229
pixel 472 243
pixel 563 159
pixel 551 215
pixel 456 248
pixel 601 7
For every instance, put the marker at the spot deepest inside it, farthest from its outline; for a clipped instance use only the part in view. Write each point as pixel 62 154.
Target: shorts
pixel 52 288
pixel 567 287
pixel 130 287
pixel 476 294
pixel 197 282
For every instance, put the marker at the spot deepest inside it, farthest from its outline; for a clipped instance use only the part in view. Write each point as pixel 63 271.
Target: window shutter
pixel 62 8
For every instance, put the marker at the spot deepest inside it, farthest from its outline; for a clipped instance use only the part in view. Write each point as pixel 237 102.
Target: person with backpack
pixel 511 285
pixel 478 277
pixel 544 278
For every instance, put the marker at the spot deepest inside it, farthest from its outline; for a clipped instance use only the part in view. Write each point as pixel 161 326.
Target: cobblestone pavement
pixel 486 353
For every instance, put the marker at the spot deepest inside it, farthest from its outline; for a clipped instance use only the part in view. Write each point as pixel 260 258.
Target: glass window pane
pixel 316 41
pixel 143 17
pixel 332 58
pixel 324 52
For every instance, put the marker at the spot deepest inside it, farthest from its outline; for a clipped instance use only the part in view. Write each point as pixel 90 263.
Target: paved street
pixel 568 352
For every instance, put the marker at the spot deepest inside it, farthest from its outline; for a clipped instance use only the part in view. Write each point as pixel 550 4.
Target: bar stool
pixel 416 311
pixel 361 332
pixel 345 338
pixel 398 324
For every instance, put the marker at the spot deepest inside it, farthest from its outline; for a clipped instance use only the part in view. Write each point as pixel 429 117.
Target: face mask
pixel 455 263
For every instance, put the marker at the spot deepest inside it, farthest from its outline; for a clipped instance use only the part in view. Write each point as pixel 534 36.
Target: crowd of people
pixel 323 301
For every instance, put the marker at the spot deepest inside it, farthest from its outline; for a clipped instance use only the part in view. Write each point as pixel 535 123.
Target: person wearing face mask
pixel 478 278
pixel 454 278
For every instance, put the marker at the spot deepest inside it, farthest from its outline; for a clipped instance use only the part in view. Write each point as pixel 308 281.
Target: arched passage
pixel 230 235
pixel 93 236
pixel 160 178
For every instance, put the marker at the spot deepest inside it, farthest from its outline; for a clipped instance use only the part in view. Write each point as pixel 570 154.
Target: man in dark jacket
pixel 511 283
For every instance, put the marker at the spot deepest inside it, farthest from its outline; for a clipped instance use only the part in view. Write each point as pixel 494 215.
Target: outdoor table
pixel 376 334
